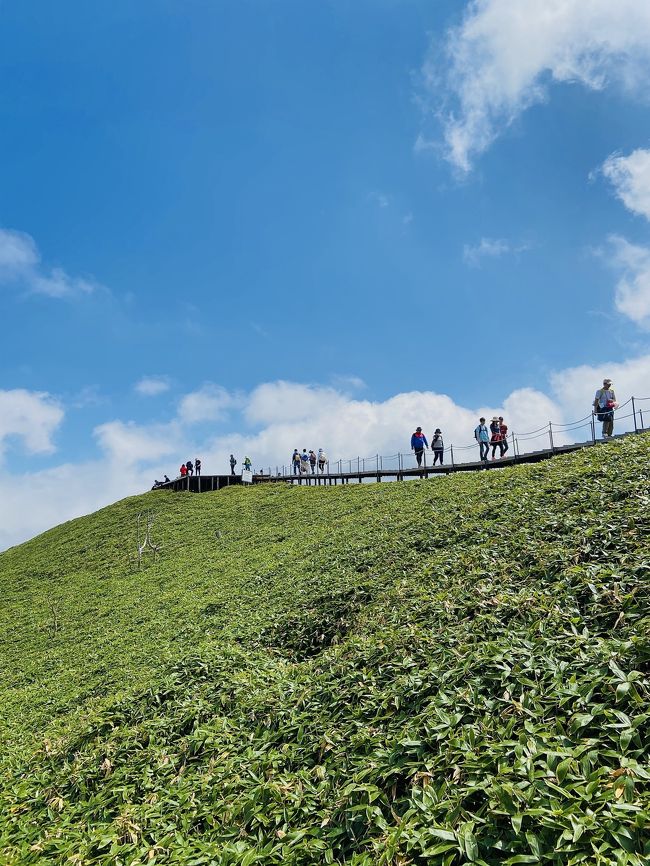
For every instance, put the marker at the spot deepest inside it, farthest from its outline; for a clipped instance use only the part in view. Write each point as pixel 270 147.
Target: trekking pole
pixel 593 428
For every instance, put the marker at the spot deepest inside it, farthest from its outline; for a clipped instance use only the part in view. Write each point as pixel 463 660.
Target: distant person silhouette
pixel 233 463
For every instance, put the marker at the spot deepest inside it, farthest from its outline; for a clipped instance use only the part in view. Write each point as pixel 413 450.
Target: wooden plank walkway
pixel 210 483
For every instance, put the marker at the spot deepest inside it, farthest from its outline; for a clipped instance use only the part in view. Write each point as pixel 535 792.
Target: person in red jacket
pixel 503 444
pixel 183 470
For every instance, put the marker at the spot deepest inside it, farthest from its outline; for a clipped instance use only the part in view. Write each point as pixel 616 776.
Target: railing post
pixel 359 464
pixel 636 429
pixel 451 448
pixel 641 416
pixel 550 435
pixel 399 466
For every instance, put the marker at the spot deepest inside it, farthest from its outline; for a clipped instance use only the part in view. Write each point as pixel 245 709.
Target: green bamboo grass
pixel 442 672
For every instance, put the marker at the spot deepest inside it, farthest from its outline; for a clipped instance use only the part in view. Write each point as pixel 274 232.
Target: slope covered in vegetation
pixel 430 672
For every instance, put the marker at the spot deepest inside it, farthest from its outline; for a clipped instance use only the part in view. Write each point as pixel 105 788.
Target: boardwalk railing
pixel 631 416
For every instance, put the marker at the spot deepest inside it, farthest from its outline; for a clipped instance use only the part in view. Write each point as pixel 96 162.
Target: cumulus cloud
pixel 31 417
pixel 630 176
pixel 501 59
pixel 208 403
pixel 152 386
pixel 490 248
pixel 21 266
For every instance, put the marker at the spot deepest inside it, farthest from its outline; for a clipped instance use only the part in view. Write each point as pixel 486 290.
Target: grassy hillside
pixel 432 672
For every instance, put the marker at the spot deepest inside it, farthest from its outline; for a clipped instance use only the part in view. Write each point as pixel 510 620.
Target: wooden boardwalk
pixel 210 483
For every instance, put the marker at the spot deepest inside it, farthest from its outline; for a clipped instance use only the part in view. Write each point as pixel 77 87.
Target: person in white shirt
pixel 604 405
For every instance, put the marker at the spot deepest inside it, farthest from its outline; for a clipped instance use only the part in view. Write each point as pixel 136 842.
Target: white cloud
pixel 128 444
pixel 492 248
pixel 630 176
pixel 501 59
pixel 151 386
pixel 30 416
pixel 20 265
pixel 209 403
pixel 633 288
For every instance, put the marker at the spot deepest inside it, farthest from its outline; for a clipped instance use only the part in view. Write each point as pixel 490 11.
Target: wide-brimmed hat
pixel 495 418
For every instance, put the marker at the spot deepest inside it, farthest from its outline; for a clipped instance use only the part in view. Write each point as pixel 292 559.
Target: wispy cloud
pixel 491 248
pixel 630 177
pixel 152 386
pixel 21 266
pixel 379 198
pixel 497 63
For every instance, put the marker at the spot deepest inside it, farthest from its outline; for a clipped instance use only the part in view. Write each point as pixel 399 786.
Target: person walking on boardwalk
pixel 483 438
pixel 322 460
pixel 233 463
pixel 247 464
pixel 604 405
pixel 197 465
pixel 190 467
pixel 304 462
pixel 495 436
pixel 437 446
pixel 295 461
pixel 418 444
pixel 503 444
pixel 312 461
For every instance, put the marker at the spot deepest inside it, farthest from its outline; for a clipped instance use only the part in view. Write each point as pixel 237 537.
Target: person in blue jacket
pixel 418 444
pixel 483 438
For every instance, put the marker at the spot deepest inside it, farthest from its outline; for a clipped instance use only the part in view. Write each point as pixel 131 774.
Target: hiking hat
pixel 418 429
pixel 607 381
pixel 437 430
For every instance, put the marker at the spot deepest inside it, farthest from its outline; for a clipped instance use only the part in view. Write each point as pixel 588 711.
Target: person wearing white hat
pixel 604 405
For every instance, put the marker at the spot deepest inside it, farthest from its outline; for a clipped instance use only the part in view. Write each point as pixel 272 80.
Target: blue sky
pixel 366 200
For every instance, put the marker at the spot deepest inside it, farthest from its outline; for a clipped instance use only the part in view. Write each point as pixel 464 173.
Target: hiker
pixel 322 460
pixel 503 444
pixel 156 484
pixel 304 461
pixel 197 465
pixel 483 438
pixel 247 464
pixel 604 405
pixel 233 463
pixel 190 467
pixel 183 470
pixel 312 461
pixel 295 461
pixel 437 446
pixel 495 436
pixel 166 480
pixel 418 444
